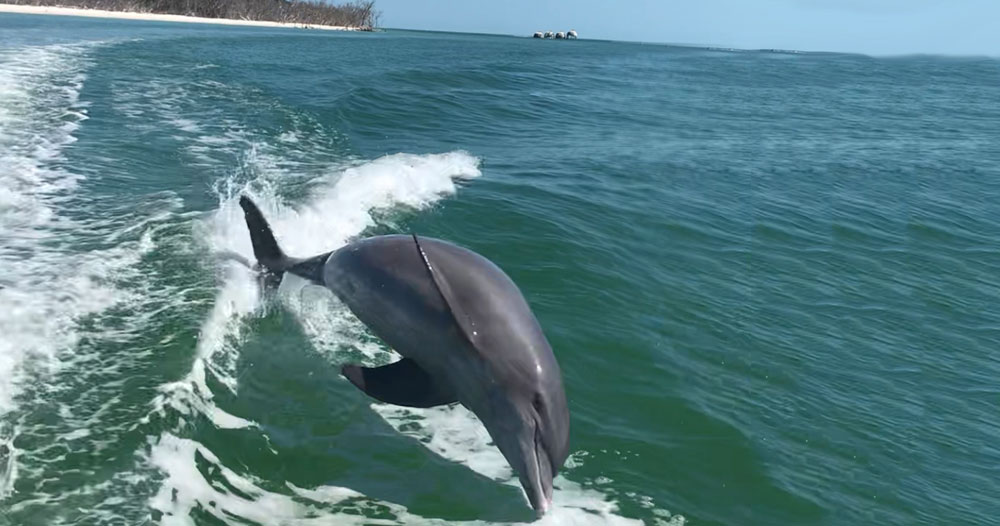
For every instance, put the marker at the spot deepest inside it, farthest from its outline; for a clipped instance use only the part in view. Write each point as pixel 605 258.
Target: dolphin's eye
pixel 537 403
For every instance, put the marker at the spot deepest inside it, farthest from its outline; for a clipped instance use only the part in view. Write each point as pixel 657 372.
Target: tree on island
pixel 359 13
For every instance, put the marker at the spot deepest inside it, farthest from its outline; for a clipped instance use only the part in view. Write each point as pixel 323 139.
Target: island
pixel 314 14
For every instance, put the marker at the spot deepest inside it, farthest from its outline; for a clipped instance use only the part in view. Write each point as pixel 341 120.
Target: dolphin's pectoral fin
pixel 400 383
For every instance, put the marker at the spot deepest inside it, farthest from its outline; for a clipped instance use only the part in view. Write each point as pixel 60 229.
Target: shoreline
pixel 158 17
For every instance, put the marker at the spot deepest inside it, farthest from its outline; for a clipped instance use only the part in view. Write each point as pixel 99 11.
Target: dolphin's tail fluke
pixel 265 247
pixel 269 254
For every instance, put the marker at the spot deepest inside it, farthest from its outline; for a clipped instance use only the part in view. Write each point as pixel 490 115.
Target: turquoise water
pixel 770 278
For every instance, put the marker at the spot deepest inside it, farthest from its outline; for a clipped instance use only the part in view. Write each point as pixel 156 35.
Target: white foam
pixel 43 291
pixel 456 434
pixel 152 105
pixel 76 434
pixel 186 125
pixel 452 432
pixel 8 460
pixel 47 286
pixel 338 211
pixel 288 137
pixel 185 488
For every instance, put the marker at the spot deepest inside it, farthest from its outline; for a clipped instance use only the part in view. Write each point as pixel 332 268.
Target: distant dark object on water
pixel 560 35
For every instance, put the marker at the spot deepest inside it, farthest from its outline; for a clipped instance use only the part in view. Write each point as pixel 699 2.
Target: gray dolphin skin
pixel 464 330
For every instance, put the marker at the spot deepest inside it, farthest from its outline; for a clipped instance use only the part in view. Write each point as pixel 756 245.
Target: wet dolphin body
pixel 464 330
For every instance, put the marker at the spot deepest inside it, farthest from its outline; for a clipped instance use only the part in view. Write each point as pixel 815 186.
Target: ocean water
pixel 771 279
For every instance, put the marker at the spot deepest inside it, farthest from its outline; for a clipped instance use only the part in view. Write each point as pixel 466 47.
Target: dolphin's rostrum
pixel 464 330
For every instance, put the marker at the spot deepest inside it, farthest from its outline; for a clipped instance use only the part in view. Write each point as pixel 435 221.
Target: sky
pixel 877 27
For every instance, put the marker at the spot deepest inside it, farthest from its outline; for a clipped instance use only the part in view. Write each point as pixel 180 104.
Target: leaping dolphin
pixel 464 330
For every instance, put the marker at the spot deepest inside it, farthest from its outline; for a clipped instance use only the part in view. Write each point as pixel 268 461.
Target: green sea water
pixel 770 279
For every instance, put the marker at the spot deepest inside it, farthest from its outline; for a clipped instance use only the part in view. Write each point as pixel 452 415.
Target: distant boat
pixel 551 34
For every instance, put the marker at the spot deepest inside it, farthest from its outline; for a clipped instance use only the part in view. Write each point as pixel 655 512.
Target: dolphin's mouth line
pixel 542 498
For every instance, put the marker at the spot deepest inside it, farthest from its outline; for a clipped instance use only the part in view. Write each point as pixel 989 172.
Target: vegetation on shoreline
pixel 357 13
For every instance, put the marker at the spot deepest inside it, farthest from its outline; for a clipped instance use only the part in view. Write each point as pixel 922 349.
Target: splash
pixel 341 206
pixel 197 480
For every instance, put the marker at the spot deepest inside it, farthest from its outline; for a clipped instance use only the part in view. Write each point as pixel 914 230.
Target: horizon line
pixel 724 48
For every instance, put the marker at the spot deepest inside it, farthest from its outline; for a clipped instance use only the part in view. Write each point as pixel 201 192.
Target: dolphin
pixel 465 333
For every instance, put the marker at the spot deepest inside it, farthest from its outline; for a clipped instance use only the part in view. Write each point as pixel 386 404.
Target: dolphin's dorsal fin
pixel 400 383
pixel 462 318
pixel 489 309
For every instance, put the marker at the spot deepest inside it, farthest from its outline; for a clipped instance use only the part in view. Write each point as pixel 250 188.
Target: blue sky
pixel 881 27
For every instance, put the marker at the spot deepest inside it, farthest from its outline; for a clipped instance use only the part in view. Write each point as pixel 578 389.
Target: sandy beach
pixel 97 13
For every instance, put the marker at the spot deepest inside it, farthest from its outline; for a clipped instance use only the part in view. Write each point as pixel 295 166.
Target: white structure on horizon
pixel 551 34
